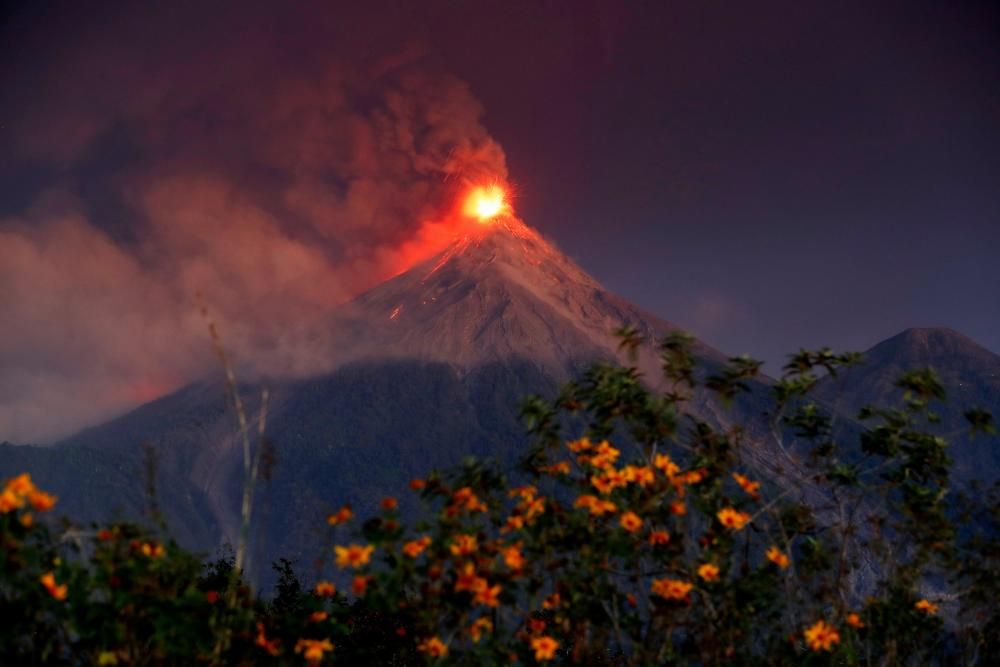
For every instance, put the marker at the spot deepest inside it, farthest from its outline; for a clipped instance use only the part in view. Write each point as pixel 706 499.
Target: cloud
pixel 275 173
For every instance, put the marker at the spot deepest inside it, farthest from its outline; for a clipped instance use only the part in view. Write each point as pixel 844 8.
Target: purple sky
pixel 771 176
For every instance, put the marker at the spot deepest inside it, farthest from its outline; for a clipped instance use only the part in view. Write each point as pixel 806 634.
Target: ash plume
pixel 276 172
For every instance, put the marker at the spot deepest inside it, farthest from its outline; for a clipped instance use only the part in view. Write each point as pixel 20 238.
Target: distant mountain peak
pixel 929 346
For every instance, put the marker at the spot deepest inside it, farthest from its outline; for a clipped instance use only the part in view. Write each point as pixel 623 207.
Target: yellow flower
pixel 926 606
pixel 151 550
pixel 353 555
pixel 666 465
pixel 709 572
pixel 545 647
pixel 21 485
pixel 58 591
pixel 480 627
pixel 513 558
pixel 776 556
pixel 464 545
pixel 821 636
pixel 732 519
pixel 630 521
pixel 342 515
pixel 433 647
pixel 659 538
pixel 105 658
pixel 325 589
pixel 416 547
pixel 313 649
pixel 750 488
pixel 854 621
pixel 671 589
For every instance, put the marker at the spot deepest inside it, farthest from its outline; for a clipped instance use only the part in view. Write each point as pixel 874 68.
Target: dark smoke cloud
pixel 277 164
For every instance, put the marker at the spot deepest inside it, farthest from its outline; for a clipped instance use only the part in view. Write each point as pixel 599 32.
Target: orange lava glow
pixel 486 203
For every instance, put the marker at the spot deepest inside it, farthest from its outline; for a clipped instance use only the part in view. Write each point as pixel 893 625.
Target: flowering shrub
pixel 648 536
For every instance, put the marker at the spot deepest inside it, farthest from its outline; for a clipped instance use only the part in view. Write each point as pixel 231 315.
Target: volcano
pixel 428 368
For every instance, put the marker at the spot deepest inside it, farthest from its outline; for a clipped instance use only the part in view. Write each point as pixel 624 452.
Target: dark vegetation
pixel 632 532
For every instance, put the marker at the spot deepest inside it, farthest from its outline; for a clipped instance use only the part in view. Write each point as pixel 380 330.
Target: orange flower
pixel 532 509
pixel 465 498
pixel 732 519
pixel 416 547
pixel 41 501
pixel 359 585
pixel 605 455
pixel 545 647
pixel 821 636
pixel 630 521
pixel 666 465
pixel 353 555
pixel 433 647
pixel 671 589
pixel 464 545
pixel 342 515
pixel 514 522
pixel 552 601
pixel 659 538
pixel 679 508
pixel 749 487
pixel 151 550
pixel 709 572
pixel 313 649
pixel 10 501
pixel 776 556
pixel 21 485
pixel 692 477
pixel 643 476
pixel 105 535
pixel 926 606
pixel 525 493
pixel 487 595
pixel 581 445
pixel 417 484
pixel 466 579
pixel 325 589
pixel 27 519
pixel 560 468
pixel 318 616
pixel 513 558
pixel 854 621
pixel 389 503
pixel 58 591
pixel 596 506
pixel 609 481
pixel 480 627
pixel 269 645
